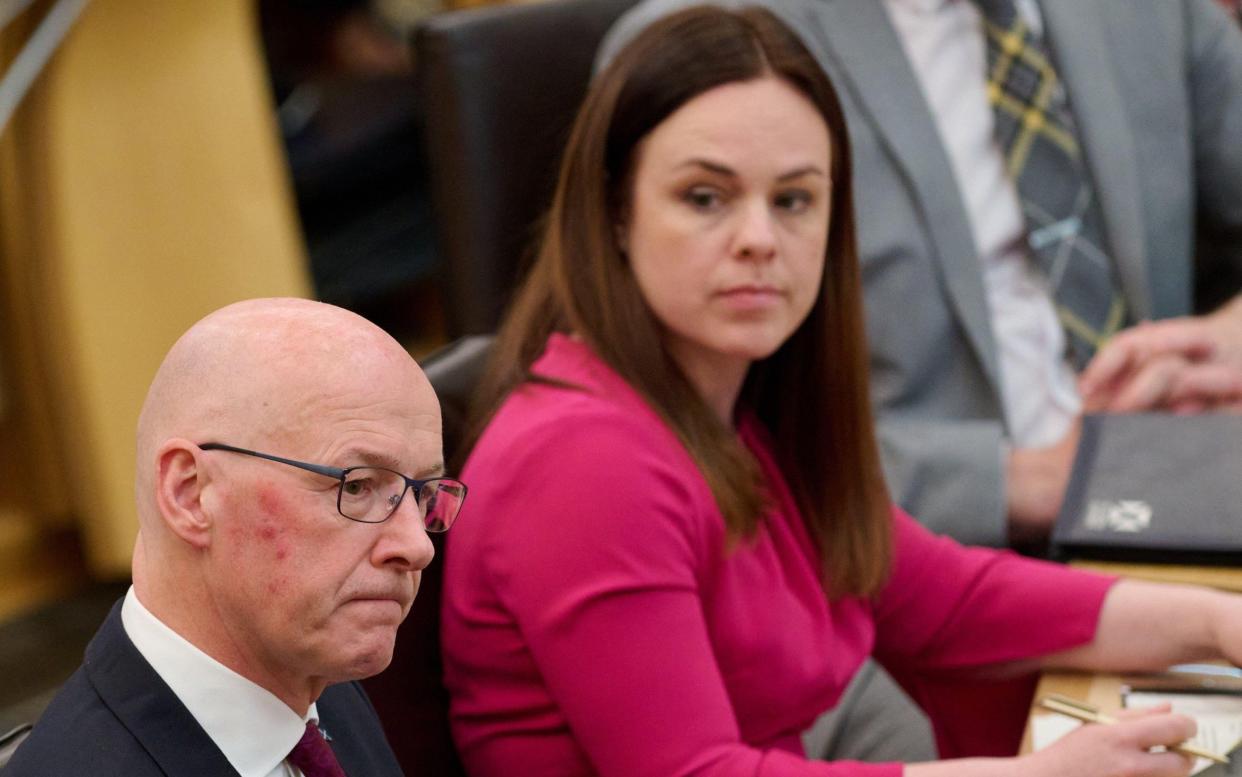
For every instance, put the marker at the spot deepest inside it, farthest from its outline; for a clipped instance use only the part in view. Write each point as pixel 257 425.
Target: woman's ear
pixel 621 229
pixel 179 485
pixel 621 233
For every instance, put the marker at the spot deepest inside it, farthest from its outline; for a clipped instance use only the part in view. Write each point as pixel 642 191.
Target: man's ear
pixel 179 485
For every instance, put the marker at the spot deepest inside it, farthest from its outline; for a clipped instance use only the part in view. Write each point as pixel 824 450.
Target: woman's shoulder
pixel 575 398
pixel 582 447
pixel 577 425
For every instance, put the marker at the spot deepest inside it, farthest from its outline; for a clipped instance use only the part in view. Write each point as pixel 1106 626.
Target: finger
pixel 1134 713
pixel 1209 384
pixel 1190 338
pixel 1165 764
pixel 1147 388
pixel 1109 365
pixel 1188 407
pixel 1156 730
pixel 1125 746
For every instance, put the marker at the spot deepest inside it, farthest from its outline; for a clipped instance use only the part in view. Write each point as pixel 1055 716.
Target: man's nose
pixel 404 542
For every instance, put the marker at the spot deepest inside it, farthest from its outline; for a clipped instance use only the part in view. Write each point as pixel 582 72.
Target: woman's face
pixel 728 223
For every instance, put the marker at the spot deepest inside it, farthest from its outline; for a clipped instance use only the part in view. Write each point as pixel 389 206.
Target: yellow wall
pixel 142 184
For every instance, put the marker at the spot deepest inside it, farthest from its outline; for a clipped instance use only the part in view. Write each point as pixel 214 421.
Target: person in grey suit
pixel 977 408
pixel 978 411
pixel 263 585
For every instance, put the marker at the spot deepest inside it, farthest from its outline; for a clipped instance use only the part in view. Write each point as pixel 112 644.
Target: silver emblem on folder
pixel 1127 516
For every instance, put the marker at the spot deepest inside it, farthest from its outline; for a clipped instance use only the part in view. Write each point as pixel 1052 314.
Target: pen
pixel 1090 714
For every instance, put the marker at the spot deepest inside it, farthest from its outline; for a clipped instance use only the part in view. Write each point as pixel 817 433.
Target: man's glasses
pixel 372 494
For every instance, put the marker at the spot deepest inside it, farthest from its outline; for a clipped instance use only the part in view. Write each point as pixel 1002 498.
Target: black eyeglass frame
pixel 340 475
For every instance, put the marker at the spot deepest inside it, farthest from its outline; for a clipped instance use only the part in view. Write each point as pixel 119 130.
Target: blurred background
pixel 166 159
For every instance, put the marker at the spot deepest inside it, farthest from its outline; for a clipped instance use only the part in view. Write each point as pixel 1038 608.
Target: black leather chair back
pixel 500 87
pixel 410 696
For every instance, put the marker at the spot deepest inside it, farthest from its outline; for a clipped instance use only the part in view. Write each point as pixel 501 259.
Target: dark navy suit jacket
pixel 115 716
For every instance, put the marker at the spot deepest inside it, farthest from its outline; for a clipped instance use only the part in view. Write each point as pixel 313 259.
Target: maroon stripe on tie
pixel 313 755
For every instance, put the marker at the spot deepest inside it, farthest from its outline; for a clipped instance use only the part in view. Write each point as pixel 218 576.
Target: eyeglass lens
pixel 371 494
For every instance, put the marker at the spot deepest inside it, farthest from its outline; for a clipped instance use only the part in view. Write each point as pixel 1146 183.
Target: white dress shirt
pixel 254 729
pixel 944 41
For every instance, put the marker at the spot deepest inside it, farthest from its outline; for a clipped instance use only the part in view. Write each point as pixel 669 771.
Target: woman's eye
pixel 357 486
pixel 702 198
pixel 794 201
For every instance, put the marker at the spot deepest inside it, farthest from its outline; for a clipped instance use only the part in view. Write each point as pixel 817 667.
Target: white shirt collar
pixel 920 6
pixel 254 729
pixel 1028 8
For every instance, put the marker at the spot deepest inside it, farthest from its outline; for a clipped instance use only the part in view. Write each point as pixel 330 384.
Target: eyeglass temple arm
pixel 321 469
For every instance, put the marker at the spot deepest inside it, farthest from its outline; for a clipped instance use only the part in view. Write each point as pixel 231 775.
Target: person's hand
pixel 1186 365
pixel 1116 750
pixel 1035 486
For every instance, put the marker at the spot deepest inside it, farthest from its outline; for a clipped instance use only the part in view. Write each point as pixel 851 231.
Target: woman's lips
pixel 751 297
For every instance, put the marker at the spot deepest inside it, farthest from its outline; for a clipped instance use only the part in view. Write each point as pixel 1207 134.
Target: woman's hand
pixel 1117 750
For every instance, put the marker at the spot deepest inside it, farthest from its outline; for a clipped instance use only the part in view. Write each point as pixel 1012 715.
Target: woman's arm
pixel 1148 626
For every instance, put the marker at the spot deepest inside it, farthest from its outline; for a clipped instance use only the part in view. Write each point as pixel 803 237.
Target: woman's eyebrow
pixel 801 171
pixel 710 166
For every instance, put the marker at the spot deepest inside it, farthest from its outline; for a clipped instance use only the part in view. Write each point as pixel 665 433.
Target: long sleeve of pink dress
pixel 597 619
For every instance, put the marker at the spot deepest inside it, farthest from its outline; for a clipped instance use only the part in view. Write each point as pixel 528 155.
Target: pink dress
pixel 595 621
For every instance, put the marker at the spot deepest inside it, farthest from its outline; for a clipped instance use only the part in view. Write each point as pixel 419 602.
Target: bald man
pixel 277 553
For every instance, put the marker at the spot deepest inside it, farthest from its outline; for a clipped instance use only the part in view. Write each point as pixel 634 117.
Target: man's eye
pixel 357 486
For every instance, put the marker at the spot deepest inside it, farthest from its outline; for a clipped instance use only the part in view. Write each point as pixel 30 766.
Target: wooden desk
pixel 1225 578
pixel 1104 690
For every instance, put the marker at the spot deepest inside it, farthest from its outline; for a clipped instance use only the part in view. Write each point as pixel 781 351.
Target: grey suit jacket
pixel 1156 87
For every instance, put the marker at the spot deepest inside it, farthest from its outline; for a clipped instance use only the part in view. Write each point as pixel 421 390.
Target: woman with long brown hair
pixel 680 547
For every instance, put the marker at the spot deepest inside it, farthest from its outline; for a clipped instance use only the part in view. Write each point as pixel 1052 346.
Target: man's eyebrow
pixel 434 471
pixel 373 459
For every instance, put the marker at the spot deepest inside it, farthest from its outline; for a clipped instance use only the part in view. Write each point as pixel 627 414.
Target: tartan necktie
pixel 1037 135
pixel 313 755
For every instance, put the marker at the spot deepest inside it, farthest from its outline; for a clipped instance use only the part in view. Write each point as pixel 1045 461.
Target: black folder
pixel 1155 488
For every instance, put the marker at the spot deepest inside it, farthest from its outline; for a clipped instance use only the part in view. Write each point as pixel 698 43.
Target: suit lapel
pixel 859 39
pixel 1075 34
pixel 147 707
pixel 357 736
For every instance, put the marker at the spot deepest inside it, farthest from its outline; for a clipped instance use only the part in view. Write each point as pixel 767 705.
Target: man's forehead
pixel 420 467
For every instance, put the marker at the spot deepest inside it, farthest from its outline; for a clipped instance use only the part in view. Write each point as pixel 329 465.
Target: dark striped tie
pixel 1036 132
pixel 313 755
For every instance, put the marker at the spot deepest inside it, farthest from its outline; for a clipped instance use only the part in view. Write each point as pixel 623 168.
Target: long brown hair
pixel 811 394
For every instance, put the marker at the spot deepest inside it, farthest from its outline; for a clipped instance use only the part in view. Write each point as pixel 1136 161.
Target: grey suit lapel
pixel 1075 34
pixel 860 39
